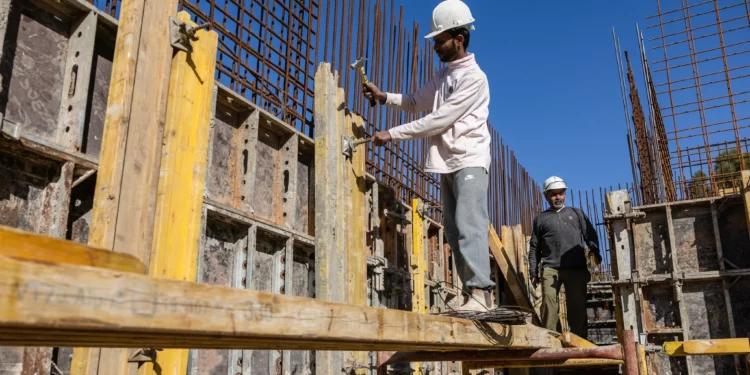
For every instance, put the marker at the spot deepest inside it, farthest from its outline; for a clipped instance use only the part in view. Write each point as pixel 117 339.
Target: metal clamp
pixel 181 35
pixel 143 355
pixel 350 146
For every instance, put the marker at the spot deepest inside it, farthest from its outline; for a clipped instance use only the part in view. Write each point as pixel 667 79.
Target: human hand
pixel 597 258
pixel 535 281
pixel 381 138
pixel 372 92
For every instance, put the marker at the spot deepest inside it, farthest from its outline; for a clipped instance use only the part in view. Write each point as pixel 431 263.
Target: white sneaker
pixel 474 303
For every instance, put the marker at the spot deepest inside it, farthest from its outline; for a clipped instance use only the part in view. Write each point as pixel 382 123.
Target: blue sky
pixel 555 92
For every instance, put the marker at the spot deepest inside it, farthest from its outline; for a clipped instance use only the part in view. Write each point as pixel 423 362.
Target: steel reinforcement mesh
pixel 269 50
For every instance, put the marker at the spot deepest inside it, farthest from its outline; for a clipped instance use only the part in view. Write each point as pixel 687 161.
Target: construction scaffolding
pixel 696 78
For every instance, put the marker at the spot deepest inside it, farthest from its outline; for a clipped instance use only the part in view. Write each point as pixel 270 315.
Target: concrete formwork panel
pixel 683 279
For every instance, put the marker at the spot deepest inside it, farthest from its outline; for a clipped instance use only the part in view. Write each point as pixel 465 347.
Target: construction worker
pixel 459 144
pixel 559 239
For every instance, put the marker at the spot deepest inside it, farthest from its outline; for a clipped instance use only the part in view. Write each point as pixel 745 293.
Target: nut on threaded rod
pixel 181 35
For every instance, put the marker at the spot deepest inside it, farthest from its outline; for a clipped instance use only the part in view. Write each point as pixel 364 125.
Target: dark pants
pixel 575 281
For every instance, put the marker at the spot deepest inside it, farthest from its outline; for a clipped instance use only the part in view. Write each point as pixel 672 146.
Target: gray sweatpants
pixel 466 221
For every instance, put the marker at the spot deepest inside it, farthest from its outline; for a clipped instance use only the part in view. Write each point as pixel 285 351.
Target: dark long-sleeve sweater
pixel 557 241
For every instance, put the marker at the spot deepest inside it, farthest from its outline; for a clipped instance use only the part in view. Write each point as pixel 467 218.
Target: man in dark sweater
pixel 559 240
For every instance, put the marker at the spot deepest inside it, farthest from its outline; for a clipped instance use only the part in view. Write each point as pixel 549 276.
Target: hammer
pixel 360 63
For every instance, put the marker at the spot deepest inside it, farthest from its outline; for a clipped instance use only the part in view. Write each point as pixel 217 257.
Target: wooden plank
pixel 179 205
pixel 571 340
pixel 511 277
pixel 706 347
pixel 131 148
pixel 330 252
pixel 585 362
pixel 356 211
pixel 418 265
pixel 746 195
pixel 60 305
pixel 24 245
pixel 509 243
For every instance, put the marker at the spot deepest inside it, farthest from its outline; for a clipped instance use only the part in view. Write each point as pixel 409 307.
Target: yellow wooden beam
pixel 179 204
pixel 511 277
pixel 585 362
pixel 356 242
pixel 19 244
pixel 60 305
pixel 642 364
pixel 128 173
pixel 706 347
pixel 571 340
pixel 418 265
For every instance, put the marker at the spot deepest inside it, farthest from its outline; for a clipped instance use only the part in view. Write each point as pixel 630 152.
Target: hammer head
pixel 360 62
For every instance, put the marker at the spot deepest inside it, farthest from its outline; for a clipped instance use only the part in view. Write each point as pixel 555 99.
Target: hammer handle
pixel 365 82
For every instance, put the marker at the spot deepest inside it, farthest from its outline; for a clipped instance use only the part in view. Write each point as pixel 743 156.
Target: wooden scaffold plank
pixel 59 305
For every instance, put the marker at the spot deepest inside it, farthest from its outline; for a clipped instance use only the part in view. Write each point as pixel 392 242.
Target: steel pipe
pixel 557 354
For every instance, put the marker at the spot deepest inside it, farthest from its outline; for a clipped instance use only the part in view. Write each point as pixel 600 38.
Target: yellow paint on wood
pixel 357 242
pixel 130 151
pixel 418 265
pixel 571 340
pixel 706 347
pixel 62 305
pixel 24 245
pixel 642 365
pixel 179 204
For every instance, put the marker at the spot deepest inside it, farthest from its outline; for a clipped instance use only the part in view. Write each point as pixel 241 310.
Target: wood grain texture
pixel 179 205
pixel 20 244
pixel 50 305
pixel 511 277
pixel 131 149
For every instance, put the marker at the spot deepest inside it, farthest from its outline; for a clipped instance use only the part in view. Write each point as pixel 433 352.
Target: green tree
pixel 727 168
pixel 698 186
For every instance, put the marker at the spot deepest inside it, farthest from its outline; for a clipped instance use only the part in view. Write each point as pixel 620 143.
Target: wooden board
pixel 20 244
pixel 60 305
pixel 179 204
pixel 511 277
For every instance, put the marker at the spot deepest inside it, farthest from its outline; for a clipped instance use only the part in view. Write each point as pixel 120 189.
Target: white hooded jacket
pixel 459 97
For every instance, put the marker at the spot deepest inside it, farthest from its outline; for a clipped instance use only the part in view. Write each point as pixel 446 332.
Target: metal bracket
pixel 630 215
pixel 349 146
pixel 10 129
pixel 181 35
pixel 143 355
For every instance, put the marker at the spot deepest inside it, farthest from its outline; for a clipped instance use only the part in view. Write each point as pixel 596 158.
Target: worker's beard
pixel 558 203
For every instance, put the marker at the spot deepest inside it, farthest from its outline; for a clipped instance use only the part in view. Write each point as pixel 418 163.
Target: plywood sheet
pixel 98 94
pixel 34 55
pixel 224 158
pixel 305 182
pixel 222 244
pixel 694 238
pixel 267 190
pixel 651 242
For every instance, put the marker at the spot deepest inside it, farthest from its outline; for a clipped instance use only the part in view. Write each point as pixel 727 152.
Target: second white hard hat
pixel 449 14
pixel 554 183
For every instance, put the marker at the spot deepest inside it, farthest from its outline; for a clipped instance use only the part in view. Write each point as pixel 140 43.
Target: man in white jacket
pixel 459 144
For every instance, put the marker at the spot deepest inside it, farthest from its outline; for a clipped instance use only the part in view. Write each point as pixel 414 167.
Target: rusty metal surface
pixel 699 100
pixel 648 181
pixel 602 352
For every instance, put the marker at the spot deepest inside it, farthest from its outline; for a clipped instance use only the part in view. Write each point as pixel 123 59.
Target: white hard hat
pixel 554 183
pixel 449 14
